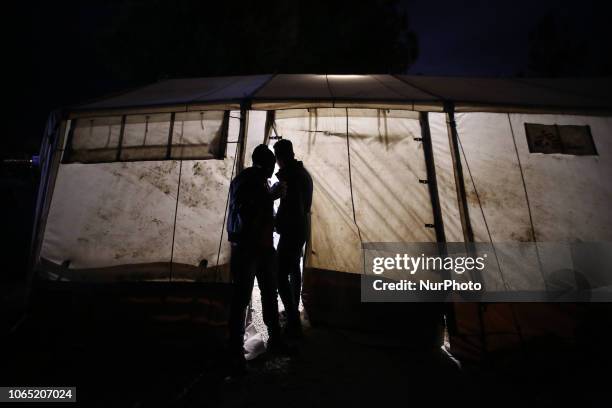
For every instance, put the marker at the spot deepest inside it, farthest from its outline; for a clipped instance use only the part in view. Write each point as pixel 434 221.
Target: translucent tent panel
pixel 95 139
pixel 496 199
pixel 568 198
pixel 200 251
pixel 320 141
pixel 255 134
pixel 118 221
pixel 200 215
pixel 387 163
pixel 112 221
pixel 197 135
pixel 569 195
pixel 555 190
pixel 566 194
pixel 145 137
pixel 497 206
pixel 492 178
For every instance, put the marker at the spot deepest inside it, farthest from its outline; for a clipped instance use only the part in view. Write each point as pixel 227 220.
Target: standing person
pixel 250 226
pixel 292 224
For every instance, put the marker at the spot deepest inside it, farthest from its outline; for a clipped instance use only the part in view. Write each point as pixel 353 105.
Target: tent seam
pixel 262 86
pixel 178 192
pixel 348 151
pixel 389 88
pixel 331 94
pixel 439 97
pixel 484 218
pixel 195 99
pixel 533 232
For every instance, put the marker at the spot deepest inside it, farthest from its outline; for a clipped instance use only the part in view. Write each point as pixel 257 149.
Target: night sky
pixel 490 38
pixel 56 65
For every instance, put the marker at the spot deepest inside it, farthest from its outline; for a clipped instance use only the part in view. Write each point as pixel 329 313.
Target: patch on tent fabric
pixel 563 139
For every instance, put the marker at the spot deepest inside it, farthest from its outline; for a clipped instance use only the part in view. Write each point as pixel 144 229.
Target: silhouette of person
pixel 292 224
pixel 250 227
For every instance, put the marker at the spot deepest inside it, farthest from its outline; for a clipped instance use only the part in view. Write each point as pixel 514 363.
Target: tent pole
pixel 241 148
pixel 468 232
pixel 270 118
pixel 170 136
pixel 453 138
pixel 55 147
pixel 432 184
pixel 120 142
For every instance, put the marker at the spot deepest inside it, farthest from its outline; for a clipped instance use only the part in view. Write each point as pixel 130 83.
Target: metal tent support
pixel 242 135
pixel 468 233
pixel 432 184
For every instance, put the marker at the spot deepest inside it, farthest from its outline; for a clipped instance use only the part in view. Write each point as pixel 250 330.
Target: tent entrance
pixel 371 184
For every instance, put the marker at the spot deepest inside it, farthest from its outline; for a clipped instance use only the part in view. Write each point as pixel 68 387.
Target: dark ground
pixel 115 361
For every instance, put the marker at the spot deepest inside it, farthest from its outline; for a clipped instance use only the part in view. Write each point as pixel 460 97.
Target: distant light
pixel 347 77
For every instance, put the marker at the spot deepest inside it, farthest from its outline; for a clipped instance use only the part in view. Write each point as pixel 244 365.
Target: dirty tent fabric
pixel 143 213
pixel 363 203
pixel 515 196
pixel 366 180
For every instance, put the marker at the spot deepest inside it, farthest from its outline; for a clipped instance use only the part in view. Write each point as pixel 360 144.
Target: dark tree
pixel 180 38
pixel 559 47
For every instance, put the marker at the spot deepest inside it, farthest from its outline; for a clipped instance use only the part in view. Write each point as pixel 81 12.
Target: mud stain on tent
pixel 204 186
pixel 158 176
pixel 480 198
pixel 490 198
pixel 197 169
pixel 523 236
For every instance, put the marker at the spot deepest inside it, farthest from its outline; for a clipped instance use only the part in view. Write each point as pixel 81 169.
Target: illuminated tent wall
pixel 135 186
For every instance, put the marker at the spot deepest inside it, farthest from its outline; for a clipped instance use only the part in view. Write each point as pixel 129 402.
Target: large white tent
pixel 135 185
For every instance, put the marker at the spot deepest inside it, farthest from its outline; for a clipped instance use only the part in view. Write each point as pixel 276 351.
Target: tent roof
pixel 418 92
pixel 184 91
